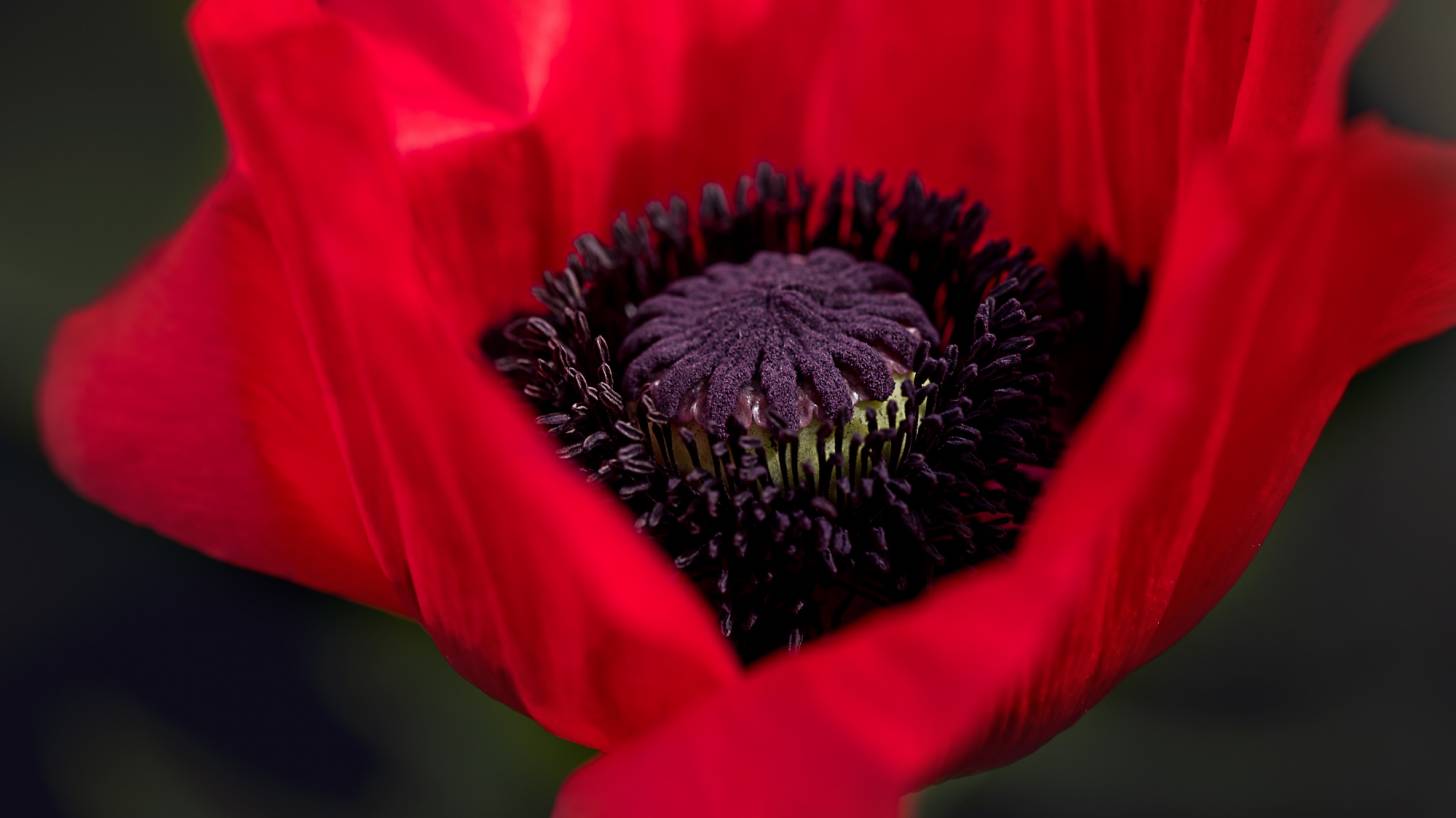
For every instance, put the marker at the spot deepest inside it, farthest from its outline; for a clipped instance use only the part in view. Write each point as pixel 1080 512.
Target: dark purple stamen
pixel 751 298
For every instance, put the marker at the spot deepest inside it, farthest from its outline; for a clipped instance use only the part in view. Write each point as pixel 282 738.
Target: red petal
pixel 1069 117
pixel 179 401
pixel 1379 220
pixel 531 582
pixel 1285 274
pixel 1039 108
pixel 525 124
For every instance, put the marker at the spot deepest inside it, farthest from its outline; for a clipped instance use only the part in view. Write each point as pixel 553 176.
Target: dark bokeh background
pixel 139 678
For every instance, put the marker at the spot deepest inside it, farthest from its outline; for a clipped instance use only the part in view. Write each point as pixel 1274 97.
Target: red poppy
pixel 291 382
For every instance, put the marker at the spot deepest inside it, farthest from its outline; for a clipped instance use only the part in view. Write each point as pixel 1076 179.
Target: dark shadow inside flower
pixel 817 411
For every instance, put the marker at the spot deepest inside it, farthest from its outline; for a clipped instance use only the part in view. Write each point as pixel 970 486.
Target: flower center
pixel 813 416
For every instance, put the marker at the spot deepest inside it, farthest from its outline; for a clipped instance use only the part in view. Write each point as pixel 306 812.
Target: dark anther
pixel 816 416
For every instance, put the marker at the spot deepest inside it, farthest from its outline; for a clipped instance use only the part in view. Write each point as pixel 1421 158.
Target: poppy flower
pixel 295 383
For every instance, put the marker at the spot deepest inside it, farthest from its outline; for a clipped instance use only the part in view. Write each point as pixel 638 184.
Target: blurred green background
pixel 140 678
